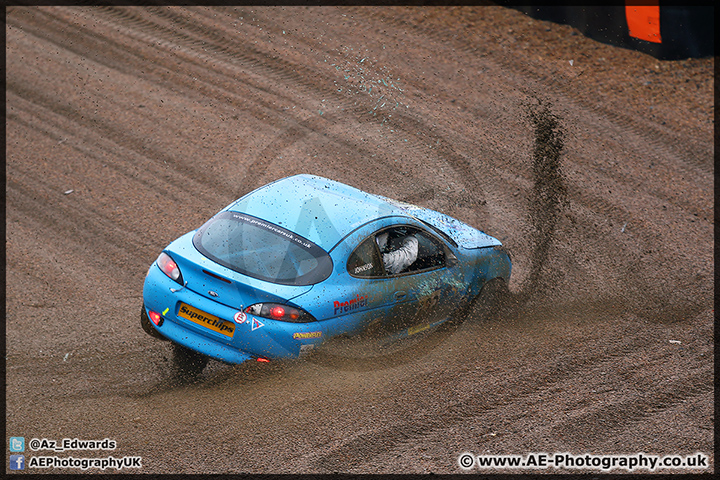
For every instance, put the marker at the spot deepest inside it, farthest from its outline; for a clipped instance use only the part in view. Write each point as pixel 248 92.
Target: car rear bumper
pixel 178 334
pixel 251 338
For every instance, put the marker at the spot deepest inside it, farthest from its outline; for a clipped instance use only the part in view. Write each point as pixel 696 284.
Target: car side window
pixel 407 249
pixel 397 251
pixel 365 260
pixel 431 253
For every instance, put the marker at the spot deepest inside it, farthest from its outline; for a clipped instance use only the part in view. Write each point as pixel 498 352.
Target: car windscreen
pixel 262 250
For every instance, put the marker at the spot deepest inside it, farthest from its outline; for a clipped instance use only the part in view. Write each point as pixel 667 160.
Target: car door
pixel 361 294
pixel 354 296
pixel 424 292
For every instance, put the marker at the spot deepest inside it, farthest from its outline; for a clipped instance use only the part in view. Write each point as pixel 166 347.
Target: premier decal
pixel 350 305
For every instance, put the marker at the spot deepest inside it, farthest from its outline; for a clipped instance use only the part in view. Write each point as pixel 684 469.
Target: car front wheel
pixel 493 298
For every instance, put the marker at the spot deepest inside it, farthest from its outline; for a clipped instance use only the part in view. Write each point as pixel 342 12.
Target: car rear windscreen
pixel 262 250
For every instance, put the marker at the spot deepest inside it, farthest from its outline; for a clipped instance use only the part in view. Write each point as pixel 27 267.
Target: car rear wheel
pixel 188 363
pixel 148 326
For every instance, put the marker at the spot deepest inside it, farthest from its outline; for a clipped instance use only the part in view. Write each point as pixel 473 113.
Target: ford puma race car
pixel 305 259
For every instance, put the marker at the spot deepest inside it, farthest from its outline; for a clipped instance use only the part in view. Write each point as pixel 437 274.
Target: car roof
pixel 321 210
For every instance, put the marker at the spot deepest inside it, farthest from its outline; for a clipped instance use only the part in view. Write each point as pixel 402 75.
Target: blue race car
pixel 305 259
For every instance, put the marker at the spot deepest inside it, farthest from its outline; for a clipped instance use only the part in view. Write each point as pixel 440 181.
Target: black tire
pixel 188 363
pixel 148 326
pixel 493 298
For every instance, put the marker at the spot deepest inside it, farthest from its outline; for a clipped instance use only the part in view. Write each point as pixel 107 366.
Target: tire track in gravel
pixel 88 145
pixel 312 82
pixel 191 174
pixel 511 398
pixel 646 137
pixel 29 196
pixel 615 417
pixel 669 143
pixel 257 168
pixel 421 422
pixel 145 160
pixel 77 217
pixel 612 121
pixel 300 77
pixel 244 55
pixel 21 201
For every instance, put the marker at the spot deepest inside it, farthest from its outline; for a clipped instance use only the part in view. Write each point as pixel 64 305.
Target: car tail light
pixel 156 318
pixel 276 311
pixel 262 359
pixel 169 267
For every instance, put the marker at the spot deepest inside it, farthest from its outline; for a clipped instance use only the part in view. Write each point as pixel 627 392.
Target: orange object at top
pixel 644 21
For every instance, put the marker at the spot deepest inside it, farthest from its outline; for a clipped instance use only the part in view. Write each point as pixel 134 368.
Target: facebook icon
pixel 17 462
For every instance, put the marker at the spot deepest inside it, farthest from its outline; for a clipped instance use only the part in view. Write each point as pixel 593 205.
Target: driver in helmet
pixel 399 251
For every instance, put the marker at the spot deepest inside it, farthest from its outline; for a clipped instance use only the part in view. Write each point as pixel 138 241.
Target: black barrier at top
pixel 685 32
